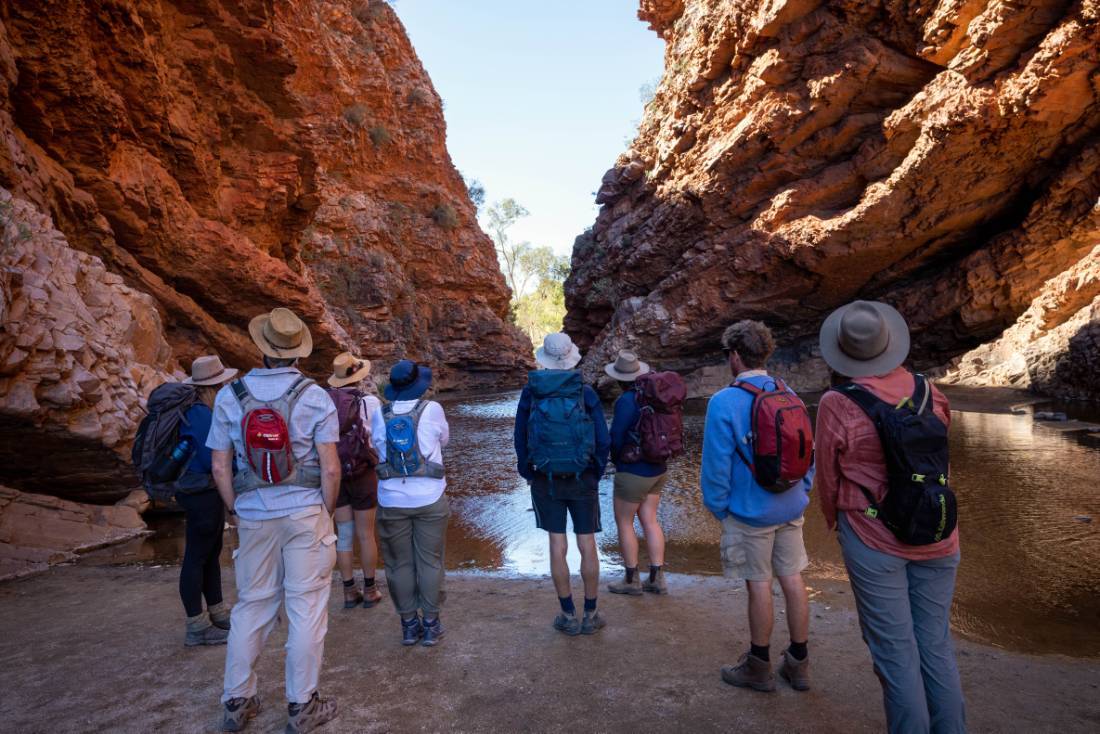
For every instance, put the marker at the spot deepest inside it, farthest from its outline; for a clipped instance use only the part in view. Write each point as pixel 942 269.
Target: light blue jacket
pixel 727 481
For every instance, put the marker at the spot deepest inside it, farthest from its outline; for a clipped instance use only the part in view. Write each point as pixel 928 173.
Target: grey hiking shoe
pixel 632 588
pixel 201 632
pixel 303 717
pixel 238 712
pixel 658 585
pixel 592 623
pixel 567 623
pixel 796 672
pixel 219 615
pixel 750 672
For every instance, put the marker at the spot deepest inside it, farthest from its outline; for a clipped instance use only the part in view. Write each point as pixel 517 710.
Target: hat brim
pixel 894 355
pixel 256 331
pixel 643 369
pixel 412 391
pixel 227 374
pixel 351 379
pixel 567 362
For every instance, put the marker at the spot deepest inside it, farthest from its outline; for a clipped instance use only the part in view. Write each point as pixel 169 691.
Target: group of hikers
pixel 304 472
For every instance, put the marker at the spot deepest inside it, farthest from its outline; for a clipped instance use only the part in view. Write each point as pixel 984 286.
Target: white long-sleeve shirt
pixel 433 433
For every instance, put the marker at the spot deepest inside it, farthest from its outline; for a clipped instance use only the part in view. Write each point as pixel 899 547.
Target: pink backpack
pixel 660 429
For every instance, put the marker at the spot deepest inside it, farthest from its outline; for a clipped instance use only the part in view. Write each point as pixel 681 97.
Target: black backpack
pixel 919 507
pixel 157 437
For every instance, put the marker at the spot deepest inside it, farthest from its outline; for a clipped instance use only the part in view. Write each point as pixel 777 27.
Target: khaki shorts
pixel 635 488
pixel 758 554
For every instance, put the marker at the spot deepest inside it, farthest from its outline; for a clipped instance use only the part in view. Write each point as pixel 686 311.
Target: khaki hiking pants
pixel 412 542
pixel 292 558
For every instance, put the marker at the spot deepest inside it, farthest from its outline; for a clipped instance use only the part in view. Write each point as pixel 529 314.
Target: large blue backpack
pixel 561 437
pixel 403 455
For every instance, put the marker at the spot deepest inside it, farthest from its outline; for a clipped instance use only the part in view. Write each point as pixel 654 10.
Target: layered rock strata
pixel 188 165
pixel 38 531
pixel 798 154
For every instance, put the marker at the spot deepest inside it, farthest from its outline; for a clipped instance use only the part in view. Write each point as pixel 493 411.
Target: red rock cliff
pixel 941 156
pixel 191 163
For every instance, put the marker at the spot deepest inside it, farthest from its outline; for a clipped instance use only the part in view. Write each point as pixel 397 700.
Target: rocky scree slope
pixel 173 168
pixel 941 156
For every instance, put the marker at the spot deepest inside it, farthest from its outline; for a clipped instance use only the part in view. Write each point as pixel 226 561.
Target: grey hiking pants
pixel 904 611
pixel 412 542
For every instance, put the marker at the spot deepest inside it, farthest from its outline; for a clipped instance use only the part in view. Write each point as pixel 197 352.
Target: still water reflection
pixel 1030 572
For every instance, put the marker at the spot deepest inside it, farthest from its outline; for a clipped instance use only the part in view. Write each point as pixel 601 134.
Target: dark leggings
pixel 201 574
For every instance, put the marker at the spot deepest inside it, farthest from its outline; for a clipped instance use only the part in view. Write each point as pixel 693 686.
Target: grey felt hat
pixel 864 338
pixel 626 367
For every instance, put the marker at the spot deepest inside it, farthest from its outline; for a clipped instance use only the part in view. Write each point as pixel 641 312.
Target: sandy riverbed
pixel 99 649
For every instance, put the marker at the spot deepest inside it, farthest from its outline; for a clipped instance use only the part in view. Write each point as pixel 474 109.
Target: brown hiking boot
pixel 201 632
pixel 795 672
pixel 658 585
pixel 633 588
pixel 352 596
pixel 219 615
pixel 303 717
pixel 750 672
pixel 371 596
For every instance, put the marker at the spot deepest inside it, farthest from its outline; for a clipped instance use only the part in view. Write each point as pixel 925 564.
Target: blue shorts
pixel 579 498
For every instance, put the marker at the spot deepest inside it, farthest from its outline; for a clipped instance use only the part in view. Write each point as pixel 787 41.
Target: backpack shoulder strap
pixel 922 393
pixel 861 396
pixel 240 390
pixel 295 391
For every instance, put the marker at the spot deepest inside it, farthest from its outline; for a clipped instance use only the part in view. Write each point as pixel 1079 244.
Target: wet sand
pixel 99 649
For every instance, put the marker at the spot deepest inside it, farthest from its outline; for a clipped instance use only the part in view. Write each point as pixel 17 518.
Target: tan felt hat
pixel 864 339
pixel 626 367
pixel 208 370
pixel 347 369
pixel 281 334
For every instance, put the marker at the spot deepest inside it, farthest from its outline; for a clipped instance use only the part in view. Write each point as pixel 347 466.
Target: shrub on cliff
pixel 356 114
pixel 445 216
pixel 379 135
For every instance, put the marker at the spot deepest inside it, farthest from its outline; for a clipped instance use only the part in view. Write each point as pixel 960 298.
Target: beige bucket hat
pixel 864 338
pixel 626 367
pixel 558 352
pixel 281 334
pixel 347 369
pixel 208 370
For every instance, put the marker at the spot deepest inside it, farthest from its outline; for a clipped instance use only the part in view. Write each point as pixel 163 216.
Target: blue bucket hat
pixel 408 381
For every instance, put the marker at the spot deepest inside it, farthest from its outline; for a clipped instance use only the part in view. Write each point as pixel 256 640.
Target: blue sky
pixel 539 97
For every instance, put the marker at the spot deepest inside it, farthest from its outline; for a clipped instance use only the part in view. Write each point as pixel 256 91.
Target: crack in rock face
pixel 799 154
pixel 172 169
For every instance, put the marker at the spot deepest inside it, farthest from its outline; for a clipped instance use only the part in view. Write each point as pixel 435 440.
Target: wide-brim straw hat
pixel 347 369
pixel 281 334
pixel 208 370
pixel 864 339
pixel 408 381
pixel 558 352
pixel 626 367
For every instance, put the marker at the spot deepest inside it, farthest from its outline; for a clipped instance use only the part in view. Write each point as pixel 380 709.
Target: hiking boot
pixel 592 623
pixel 750 672
pixel 632 588
pixel 433 632
pixel 238 712
pixel 371 596
pixel 658 585
pixel 201 632
pixel 794 671
pixel 219 615
pixel 303 717
pixel 567 623
pixel 352 596
pixel 411 631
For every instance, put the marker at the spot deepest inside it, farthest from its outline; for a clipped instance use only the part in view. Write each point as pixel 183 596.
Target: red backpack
pixel 782 436
pixel 660 429
pixel 357 455
pixel 266 438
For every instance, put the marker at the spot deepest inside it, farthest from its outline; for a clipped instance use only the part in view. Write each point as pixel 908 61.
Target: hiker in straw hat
pixel 204 511
pixel 359 413
pixel 638 483
pixel 903 592
pixel 562 454
pixel 285 489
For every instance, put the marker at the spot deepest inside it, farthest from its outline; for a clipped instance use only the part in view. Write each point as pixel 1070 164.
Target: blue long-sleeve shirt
pixel 595 411
pixel 728 485
pixel 625 420
pixel 196 426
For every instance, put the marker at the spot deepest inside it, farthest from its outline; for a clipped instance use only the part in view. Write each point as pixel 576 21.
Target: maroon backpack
pixel 782 436
pixel 357 455
pixel 660 429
